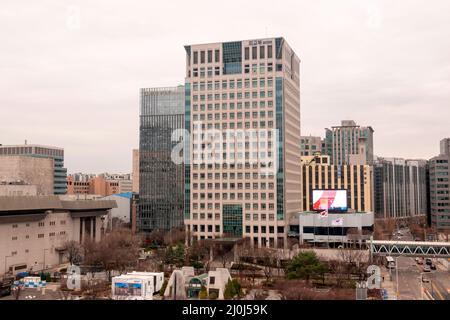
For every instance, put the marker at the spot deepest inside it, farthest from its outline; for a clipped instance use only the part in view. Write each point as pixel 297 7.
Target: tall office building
pixel 161 180
pixel 400 188
pixel 349 143
pixel 243 111
pixel 310 145
pixel 38 151
pixel 440 188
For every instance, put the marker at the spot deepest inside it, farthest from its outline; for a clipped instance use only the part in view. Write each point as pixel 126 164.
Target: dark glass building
pixel 161 180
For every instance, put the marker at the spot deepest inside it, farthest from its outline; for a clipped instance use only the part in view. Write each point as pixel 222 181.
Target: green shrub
pixel 232 289
pixel 203 294
pixel 213 296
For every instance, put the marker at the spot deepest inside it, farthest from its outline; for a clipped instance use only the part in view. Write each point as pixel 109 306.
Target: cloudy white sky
pixel 70 71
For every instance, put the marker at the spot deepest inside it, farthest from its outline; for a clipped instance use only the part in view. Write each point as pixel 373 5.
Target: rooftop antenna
pixel 25 142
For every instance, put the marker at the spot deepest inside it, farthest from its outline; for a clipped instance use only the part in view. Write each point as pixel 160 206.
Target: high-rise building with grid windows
pixel 161 180
pixel 242 177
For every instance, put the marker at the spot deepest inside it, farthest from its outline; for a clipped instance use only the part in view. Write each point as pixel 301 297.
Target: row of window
pixel 248 216
pixel 41 224
pixel 265 52
pixel 206 56
pixel 234 125
pixel 240 196
pixel 232 115
pixel 232 96
pixel 232 84
pixel 231 176
pixel 232 105
pixel 232 166
pixel 248 206
pixel 255 69
pixel 41 235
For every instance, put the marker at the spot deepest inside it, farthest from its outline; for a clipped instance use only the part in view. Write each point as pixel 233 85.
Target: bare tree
pixel 117 251
pixel 72 251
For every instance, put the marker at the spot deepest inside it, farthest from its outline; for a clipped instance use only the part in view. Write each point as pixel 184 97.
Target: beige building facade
pixel 242 176
pixel 33 230
pixel 30 170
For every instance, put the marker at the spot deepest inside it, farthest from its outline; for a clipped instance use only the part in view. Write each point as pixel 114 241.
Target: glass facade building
pixel 161 179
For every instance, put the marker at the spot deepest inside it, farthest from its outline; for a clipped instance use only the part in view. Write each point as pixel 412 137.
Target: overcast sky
pixel 70 71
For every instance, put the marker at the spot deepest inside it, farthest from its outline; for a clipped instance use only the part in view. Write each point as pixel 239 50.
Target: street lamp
pixel 6 257
pixel 43 268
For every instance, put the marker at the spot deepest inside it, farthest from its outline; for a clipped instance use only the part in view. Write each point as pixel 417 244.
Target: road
pixel 409 275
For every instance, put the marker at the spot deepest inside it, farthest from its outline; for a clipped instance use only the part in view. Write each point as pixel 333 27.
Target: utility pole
pixel 396 276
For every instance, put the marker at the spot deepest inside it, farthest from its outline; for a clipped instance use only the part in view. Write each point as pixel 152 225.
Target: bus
pixel 390 262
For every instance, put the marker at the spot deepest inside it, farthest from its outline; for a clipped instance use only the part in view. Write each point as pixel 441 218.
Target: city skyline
pixel 359 62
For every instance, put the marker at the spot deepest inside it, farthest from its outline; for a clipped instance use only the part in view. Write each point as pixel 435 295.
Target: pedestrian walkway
pixel 388 286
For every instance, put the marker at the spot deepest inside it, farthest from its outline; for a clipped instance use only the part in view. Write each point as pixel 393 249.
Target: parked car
pixel 428 262
pixel 426 268
pixel 419 260
pixel 433 266
pixel 425 280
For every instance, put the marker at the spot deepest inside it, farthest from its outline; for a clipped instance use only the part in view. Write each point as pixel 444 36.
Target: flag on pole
pixel 338 222
pixel 323 214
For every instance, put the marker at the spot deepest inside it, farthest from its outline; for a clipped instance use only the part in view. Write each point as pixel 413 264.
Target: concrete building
pixel 123 210
pixel 400 188
pixel 31 170
pixel 33 230
pixel 135 170
pixel 102 184
pixel 39 151
pixel 184 284
pixel 243 177
pixel 17 188
pixel 440 188
pixel 349 143
pixel 318 173
pixel 445 146
pixel 310 145
pixel 161 179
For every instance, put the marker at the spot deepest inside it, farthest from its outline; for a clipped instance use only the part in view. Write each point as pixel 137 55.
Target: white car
pixel 426 268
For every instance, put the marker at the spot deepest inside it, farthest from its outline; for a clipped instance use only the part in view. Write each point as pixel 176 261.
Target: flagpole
pixel 328 228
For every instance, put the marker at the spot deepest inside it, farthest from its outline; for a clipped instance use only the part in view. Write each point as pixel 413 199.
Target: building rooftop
pixel 43 203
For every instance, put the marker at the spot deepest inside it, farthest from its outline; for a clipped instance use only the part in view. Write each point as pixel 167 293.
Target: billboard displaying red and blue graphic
pixel 330 200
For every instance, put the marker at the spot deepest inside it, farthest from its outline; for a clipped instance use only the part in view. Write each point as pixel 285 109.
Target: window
pixel 41 224
pixel 254 53
pixel 195 57
pixel 261 52
pixel 212 280
pixel 269 51
pixel 15 226
pixel 247 53
pixel 209 56
pixel 202 57
pixel 14 238
pixel 41 235
pixel 217 55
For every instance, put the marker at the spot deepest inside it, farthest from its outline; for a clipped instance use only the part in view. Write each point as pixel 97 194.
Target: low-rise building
pixel 33 230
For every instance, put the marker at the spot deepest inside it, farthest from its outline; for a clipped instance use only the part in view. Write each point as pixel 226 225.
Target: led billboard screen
pixel 331 200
